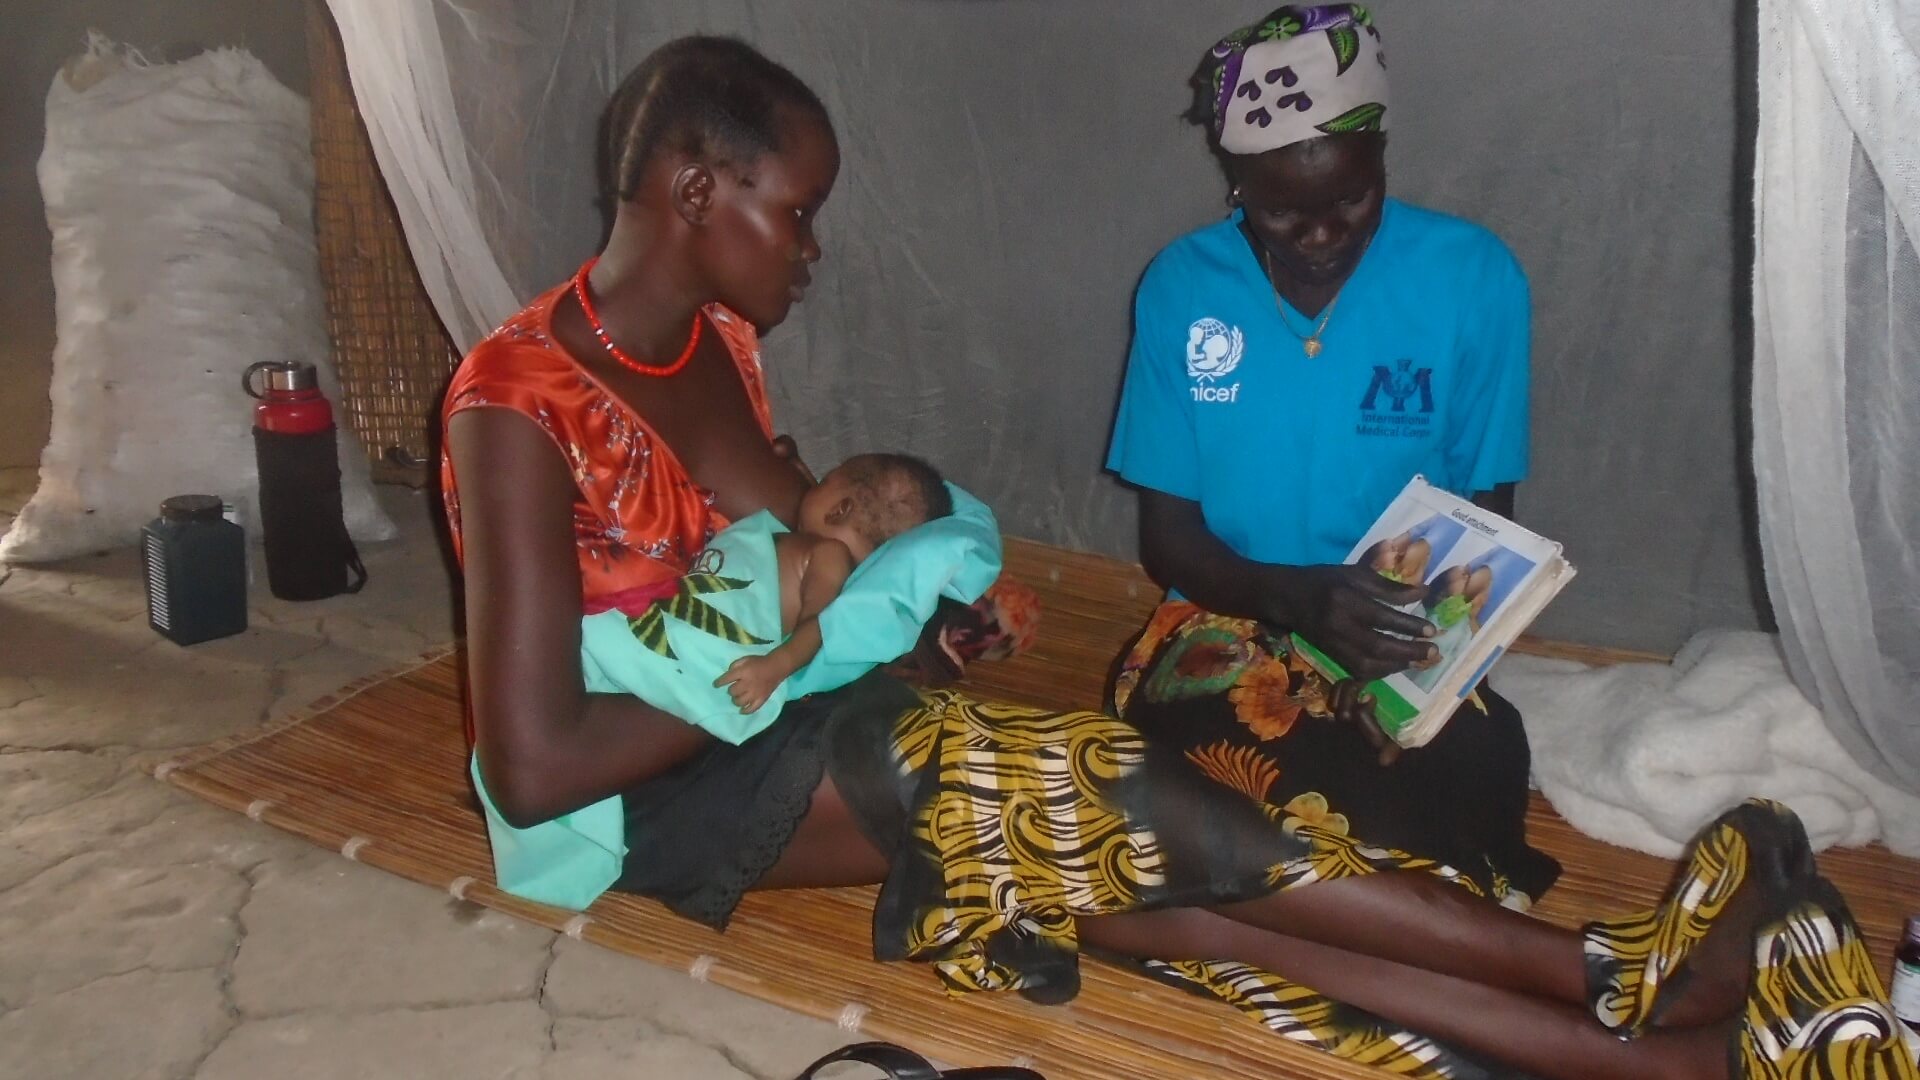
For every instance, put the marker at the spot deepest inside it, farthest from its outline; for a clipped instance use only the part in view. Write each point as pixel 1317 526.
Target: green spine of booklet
pixel 1393 711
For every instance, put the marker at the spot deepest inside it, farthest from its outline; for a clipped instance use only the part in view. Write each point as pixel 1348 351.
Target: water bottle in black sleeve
pixel 309 554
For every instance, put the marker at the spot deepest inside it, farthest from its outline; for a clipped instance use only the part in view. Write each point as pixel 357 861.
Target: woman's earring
pixel 1233 197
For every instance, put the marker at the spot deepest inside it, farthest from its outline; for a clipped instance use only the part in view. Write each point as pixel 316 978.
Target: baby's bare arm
pixel 828 566
pixel 823 572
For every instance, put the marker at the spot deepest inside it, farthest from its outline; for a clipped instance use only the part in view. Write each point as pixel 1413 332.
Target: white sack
pixel 180 198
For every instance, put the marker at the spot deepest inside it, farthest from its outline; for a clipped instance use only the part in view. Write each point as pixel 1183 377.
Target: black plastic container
pixel 194 562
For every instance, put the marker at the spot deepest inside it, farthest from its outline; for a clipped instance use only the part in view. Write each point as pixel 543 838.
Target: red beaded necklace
pixel 600 331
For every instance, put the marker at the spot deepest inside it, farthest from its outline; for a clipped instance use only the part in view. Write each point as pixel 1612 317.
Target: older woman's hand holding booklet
pixel 1487 579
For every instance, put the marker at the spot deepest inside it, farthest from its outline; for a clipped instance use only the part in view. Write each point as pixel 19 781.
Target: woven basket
pixel 391 352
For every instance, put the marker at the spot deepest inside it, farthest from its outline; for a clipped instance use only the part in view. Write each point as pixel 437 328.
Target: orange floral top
pixel 638 517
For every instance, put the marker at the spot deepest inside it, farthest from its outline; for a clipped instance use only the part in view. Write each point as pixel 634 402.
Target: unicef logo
pixel 1213 349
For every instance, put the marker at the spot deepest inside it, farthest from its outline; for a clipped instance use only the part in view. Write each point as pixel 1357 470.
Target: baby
pixel 860 505
pixel 1455 598
pixel 1457 592
pixel 1403 558
pixel 698 647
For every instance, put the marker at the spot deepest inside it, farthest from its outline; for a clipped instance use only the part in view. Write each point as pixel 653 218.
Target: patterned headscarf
pixel 1300 73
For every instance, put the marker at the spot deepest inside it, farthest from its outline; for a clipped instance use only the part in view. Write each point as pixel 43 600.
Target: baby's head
pixel 1445 585
pixel 873 498
pixel 1384 555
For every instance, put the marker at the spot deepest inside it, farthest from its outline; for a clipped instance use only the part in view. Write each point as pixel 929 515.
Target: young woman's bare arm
pixel 545 746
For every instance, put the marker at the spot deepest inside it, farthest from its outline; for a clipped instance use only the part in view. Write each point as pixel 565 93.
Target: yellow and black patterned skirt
pixel 1008 825
pixel 1013 823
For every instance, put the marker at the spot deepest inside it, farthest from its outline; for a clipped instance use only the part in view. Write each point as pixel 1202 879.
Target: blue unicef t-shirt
pixel 1423 370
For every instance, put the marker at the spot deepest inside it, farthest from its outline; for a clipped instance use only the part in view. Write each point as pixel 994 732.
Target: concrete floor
pixel 146 934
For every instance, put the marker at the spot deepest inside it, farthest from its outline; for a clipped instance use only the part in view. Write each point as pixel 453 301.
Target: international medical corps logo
pixel 1401 385
pixel 1213 352
pixel 1398 403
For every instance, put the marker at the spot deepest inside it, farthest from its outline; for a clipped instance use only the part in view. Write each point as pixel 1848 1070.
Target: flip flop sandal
pixel 900 1063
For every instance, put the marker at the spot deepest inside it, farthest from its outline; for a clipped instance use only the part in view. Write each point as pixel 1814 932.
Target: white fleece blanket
pixel 1643 755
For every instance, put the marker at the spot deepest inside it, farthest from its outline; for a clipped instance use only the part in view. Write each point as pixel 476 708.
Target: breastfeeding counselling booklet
pixel 1487 579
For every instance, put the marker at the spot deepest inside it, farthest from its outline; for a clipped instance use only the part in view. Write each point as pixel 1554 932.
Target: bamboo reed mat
pixel 378 773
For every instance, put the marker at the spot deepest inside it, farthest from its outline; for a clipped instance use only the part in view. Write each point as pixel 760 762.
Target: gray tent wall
pixel 1011 165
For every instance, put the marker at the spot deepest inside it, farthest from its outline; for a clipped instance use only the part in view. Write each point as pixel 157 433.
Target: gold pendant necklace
pixel 1309 343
